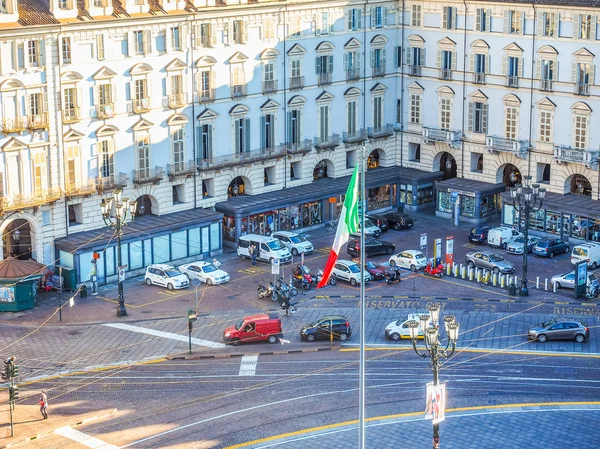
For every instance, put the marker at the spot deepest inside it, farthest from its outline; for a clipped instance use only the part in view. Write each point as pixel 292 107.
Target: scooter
pixel 302 272
pixel 285 287
pixel 263 291
pixel 393 276
pixel 434 271
pixel 301 282
pixel 591 292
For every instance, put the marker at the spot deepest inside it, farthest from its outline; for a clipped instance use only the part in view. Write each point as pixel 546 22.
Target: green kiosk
pixel 19 283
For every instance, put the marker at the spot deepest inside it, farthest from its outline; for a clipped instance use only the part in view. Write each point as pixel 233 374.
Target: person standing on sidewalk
pixel 44 404
pixel 253 250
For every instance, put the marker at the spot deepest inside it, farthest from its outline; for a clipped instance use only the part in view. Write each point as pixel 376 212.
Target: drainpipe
pixel 535 19
pixel 365 71
pixel 194 127
pixel 285 111
pixel 59 136
pixel 464 93
pixel 402 88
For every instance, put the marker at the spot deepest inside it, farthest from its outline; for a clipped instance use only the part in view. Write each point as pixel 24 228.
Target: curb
pixel 43 434
pixel 242 354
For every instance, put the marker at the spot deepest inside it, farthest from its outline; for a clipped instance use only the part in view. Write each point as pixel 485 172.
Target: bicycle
pixel 331 226
pixel 486 278
pixel 292 311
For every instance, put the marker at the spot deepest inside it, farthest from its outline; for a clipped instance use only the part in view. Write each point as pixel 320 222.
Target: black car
pixel 380 221
pixel 398 220
pixel 324 328
pixel 550 247
pixel 479 234
pixel 374 247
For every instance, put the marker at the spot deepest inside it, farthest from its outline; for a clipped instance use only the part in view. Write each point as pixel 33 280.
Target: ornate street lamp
pixel 123 216
pixel 526 199
pixel 433 349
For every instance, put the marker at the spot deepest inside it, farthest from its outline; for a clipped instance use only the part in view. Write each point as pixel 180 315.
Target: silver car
pixel 557 329
pixel 567 280
pixel 489 260
pixel 516 247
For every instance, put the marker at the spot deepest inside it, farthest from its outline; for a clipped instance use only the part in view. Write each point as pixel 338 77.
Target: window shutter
pixel 318 65
pixel 244 31
pixel 592 31
pixel 130 44
pixel 197 38
pixel 349 20
pixel 478 19
pixel 213 82
pixel 346 67
pixel 209 144
pixel 471 62
pixel 522 22
pixel 357 62
pixel 147 42
pixel 485 119
pixel 521 66
pixel 471 107
pixel 212 29
pixel 538 69
pixel 488 21
pixel 78 98
pixel 41 46
pixel 100 47
pixel 439 59
pixel 299 126
pixel 96 95
pixel 576 26
pixel 445 18
pixel 504 65
pixel 330 64
pixel 372 58
pixel 168 40
pixel 113 92
pixel 359 21
pixel 318 23
pixel 198 82
pixel 592 66
pixel 507 22
pixel 263 137
pixel 183 36
pixel 422 60
pixel 488 62
pixel 385 16
pixel 149 89
pixel 28 108
pixel 453 60
pixel 555 70
pixel 236 135
pixel 289 127
pixel 226 37
pixel 383 57
pixel 454 19
pixel 557 24
pixel 541 24
pixel 373 17
pixel 574 72
pixel 45 102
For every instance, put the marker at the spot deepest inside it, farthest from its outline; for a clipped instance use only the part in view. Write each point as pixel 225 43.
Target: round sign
pixel 196 282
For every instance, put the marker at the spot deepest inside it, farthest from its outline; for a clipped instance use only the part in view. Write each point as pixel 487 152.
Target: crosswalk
pixel 169 335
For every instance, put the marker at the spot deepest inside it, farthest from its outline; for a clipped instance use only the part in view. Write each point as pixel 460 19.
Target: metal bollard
pixel 478 274
pixel 463 272
pixel 502 281
pixel 554 288
pixel 516 282
pixel 455 268
pixel 471 273
pixel 448 269
pixel 494 279
pixel 537 282
pixel 546 284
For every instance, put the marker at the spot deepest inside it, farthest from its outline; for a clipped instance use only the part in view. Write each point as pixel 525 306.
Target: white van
pixel 501 236
pixel 586 251
pixel 268 248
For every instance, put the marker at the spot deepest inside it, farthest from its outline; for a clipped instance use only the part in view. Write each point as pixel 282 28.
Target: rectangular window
pixel 513 66
pixel 445 114
pixel 205 35
pixel 415 108
pixel 138 38
pixel 268 131
pixel 481 20
pixel 294 127
pixel 66 50
pixel 352 118
pixel 323 24
pixel 269 71
pixel 62 4
pixel 33 53
pixel 581 126
pixel 550 24
pixel 239 32
pixel 354 19
pixel 547 69
pixel 105 159
pixel 479 112
pixel 446 60
pixel 100 47
pixel 206 141
pixel 480 63
pixel 514 22
pixel 104 94
pixel 143 152
pixel 324 122
pixel 35 104
pixel 511 125
pixel 69 99
pixel 176 39
pixel 140 89
pixel 582 73
pixel 176 84
pixel 378 16
pixel 269 29
pixel 242 135
pixel 546 118
pixel 296 72
pixel 586 26
pixel 449 18
pixel 378 112
pixel 178 149
pixel 416 15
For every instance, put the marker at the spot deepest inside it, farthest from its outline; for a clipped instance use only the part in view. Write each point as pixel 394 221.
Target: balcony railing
pixel 414 70
pixel 352 75
pixel 37 121
pixel 238 91
pixel 381 132
pixel 582 88
pixel 517 147
pixel 479 78
pixel 13 125
pixel 325 79
pixel 451 138
pixel 296 82
pixel 546 85
pixel 107 183
pixel 177 100
pixel 269 86
pixel 205 96
pixel 327 143
pixel 34 199
pixel 148 176
pixel 378 71
pixel 358 136
pixel 304 146
pixel 563 154
pixel 181 169
pixel 105 110
pixel 241 158
pixel 141 105
pixel 446 74
pixel 71 115
pixel 512 81
pixel 84 188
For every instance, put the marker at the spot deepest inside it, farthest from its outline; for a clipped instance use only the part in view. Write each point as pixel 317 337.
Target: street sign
pixel 196 282
pixel 454 194
pixel 121 275
pixel 424 242
pixel 449 250
pixel 275 266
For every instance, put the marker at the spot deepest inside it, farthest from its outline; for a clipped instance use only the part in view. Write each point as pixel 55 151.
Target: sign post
pixel 274 269
pixel 424 244
pixel 456 207
pixel 450 250
pixel 580 279
pixel 437 251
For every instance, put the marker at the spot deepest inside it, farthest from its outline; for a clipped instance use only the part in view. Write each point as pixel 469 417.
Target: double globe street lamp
pixel 526 198
pixel 124 214
pixel 433 349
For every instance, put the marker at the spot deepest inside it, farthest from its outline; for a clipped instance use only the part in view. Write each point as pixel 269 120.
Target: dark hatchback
pixel 374 247
pixel 398 220
pixel 479 235
pixel 380 221
pixel 324 328
pixel 550 247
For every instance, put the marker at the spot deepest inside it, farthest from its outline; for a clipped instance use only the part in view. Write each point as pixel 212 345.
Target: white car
pixel 399 329
pixel 411 259
pixel 166 276
pixel 348 271
pixel 206 272
pixel 371 230
pixel 296 243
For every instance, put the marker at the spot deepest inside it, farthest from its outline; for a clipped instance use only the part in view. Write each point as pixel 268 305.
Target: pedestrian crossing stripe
pixel 325 250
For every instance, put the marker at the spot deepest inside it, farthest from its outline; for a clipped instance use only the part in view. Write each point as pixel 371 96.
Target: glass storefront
pixel 470 205
pixel 380 197
pixel 491 205
pixel 445 202
pixel 425 193
pixel 406 194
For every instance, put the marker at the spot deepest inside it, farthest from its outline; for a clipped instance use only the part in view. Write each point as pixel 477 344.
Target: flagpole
pixel 361 375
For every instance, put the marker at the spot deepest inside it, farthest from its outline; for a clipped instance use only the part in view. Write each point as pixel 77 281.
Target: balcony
pixel 180 170
pixel 141 105
pixel 104 111
pixel 414 70
pixel 432 135
pixel 177 100
pixel 249 157
pixel 378 71
pixel 563 155
pixel 546 85
pixel 205 96
pixel 512 81
pixel 304 146
pixel 381 132
pixel 519 148
pixel 327 143
pixel 296 82
pixel 479 78
pixel 85 188
pixel 325 78
pixel 71 115
pixel 238 91
pixel 269 86
pixel 582 88
pixel 446 74
pixel 358 136
pixel 148 176
pixel 26 200
pixel 37 121
pixel 352 75
pixel 13 125
pixel 108 183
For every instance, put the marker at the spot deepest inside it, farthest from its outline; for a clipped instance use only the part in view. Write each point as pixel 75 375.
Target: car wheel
pixel 148 281
pixel 294 252
pixel 343 336
pixel 566 249
pixel 471 264
pixel 542 338
pixel 413 268
pixel 235 342
pixel 551 255
pixel 310 337
pixel 392 263
pixel 579 338
pixel 594 265
pixel 496 270
pixel 353 282
pixel 389 251
pixel 396 227
pixel 333 280
pixel 558 284
pixel 170 286
pixel 395 336
pixel 504 245
pixel 209 281
pixel 272 339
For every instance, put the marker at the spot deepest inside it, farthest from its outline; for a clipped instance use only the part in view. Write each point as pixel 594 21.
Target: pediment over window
pixel 480 45
pixel 10 84
pixel 414 40
pixel 239 109
pixel 415 86
pixel 104 73
pixel 546 103
pixel 205 61
pixel 581 108
pixel 175 64
pixel 445 90
pixel 14 145
pixel 352 44
pixel 106 130
pixel 352 92
pixel 237 58
pixel 72 135
pixel 324 47
pixel 177 119
pixel 380 39
pixel 207 114
pixel 511 99
pixel 269 53
pixel 447 43
pixel 548 50
pixel 583 53
pixel 296 50
pixel 513 47
pixel 478 96
pixel 296 100
pixel 325 96
pixel 140 69
pixel 70 77
pixel 270 104
pixel 378 88
pixel 142 125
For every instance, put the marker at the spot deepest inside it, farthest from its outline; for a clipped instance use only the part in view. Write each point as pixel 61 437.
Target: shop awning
pixel 319 190
pixel 11 268
pixel 570 203
pixel 469 187
pixel 146 226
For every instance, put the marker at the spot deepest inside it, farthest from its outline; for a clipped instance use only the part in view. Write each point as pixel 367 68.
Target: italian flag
pixel 347 224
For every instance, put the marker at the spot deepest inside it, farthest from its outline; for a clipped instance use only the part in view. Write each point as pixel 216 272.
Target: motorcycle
pixel 303 273
pixel 285 287
pixel 264 292
pixel 393 276
pixel 591 292
pixel 434 271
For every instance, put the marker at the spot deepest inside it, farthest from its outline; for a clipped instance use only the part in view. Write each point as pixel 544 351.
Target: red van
pixel 260 327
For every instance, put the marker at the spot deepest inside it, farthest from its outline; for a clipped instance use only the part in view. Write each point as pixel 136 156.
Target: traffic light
pixel 15 371
pixel 13 392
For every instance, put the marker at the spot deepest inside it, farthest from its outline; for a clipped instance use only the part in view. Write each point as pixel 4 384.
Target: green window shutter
pixel 574 72
pixel 471 114
pixel 454 60
pixel 504 65
pixel 422 60
pixel 409 56
pixel 485 119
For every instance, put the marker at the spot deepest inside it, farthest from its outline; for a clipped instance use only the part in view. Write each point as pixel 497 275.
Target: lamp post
pixel 433 349
pixel 120 219
pixel 525 200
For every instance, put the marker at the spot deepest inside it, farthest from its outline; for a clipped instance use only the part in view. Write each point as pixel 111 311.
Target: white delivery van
pixel 501 236
pixel 268 248
pixel 586 251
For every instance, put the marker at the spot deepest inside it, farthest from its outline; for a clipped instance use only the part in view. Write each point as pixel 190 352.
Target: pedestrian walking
pixel 44 404
pixel 253 250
